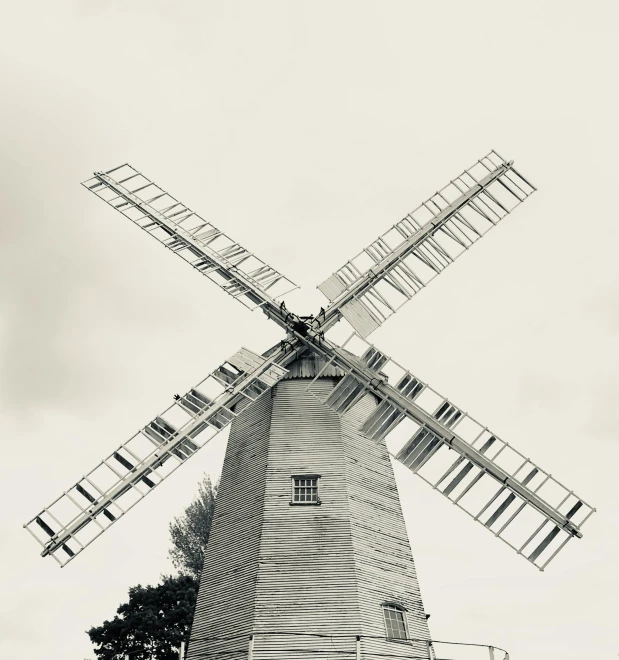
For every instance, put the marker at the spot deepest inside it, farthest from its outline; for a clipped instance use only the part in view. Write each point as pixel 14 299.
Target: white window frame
pixel 395 607
pixel 293 486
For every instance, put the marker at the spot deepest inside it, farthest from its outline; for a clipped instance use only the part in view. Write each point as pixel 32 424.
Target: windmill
pixel 308 538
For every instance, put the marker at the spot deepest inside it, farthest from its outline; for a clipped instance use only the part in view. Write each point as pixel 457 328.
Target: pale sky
pixel 305 129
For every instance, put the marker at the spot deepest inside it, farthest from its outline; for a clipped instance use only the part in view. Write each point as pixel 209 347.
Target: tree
pixel 189 533
pixel 156 619
pixel 152 624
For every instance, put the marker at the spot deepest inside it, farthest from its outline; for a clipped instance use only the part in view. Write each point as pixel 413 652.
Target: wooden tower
pixel 327 566
pixel 308 552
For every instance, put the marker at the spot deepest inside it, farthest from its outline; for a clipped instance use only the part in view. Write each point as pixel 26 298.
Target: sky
pixel 304 130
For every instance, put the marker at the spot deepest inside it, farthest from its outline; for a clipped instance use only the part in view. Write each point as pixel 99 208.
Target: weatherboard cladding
pixel 324 569
pixel 226 596
pixel 308 366
pixel 306 580
pixel 384 565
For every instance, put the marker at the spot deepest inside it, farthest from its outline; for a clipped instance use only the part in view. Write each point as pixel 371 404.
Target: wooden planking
pixel 323 570
pixel 308 366
pixel 227 587
pixel 383 560
pixel 306 580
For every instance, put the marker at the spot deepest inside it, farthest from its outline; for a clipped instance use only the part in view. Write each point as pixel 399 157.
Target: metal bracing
pixel 237 271
pixel 485 476
pixel 134 469
pixel 372 286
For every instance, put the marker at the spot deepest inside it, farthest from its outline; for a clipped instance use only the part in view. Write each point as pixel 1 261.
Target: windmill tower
pixel 308 552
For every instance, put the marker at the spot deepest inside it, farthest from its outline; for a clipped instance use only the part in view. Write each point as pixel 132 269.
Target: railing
pixel 299 646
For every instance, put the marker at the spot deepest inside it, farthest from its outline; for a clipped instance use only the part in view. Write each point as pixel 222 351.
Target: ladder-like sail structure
pixel 237 271
pixel 372 286
pixel 128 474
pixel 485 476
pixel 494 483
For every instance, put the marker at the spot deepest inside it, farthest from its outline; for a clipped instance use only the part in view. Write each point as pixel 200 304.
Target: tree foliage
pixel 189 533
pixel 152 624
pixel 156 619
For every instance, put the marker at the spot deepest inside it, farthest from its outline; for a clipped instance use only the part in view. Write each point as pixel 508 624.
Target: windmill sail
pixel 129 473
pixel 485 476
pixel 372 286
pixel 214 254
pixel 497 485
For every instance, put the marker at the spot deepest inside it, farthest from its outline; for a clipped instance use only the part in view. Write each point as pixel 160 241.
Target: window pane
pixel 395 623
pixel 305 489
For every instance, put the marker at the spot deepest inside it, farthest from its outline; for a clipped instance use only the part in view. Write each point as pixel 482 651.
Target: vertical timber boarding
pixel 323 569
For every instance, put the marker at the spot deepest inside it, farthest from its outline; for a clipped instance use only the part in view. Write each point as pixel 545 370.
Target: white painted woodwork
pixel 273 567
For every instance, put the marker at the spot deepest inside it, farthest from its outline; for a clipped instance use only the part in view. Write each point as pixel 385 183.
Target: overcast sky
pixel 305 129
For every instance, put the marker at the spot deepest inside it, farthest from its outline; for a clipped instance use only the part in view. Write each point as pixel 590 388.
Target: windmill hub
pixel 301 327
pixel 317 423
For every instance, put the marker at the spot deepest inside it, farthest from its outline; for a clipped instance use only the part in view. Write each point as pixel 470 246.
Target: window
pixel 305 489
pixel 395 621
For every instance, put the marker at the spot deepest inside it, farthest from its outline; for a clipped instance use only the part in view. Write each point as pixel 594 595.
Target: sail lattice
pixel 129 473
pixel 496 484
pixel 236 270
pixel 372 286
